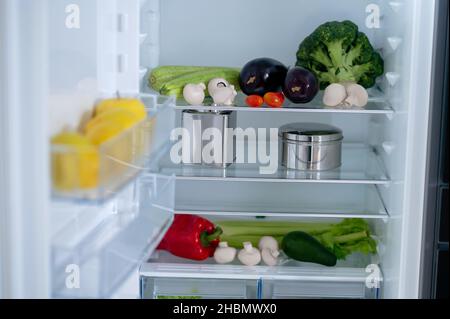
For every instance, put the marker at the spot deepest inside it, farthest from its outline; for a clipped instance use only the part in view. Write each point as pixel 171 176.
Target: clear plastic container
pixel 97 174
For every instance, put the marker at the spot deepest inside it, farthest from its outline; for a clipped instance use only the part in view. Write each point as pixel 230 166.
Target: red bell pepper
pixel 191 237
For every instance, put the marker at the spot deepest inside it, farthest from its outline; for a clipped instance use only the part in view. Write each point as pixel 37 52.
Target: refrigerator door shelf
pixel 295 280
pixel 94 249
pixel 360 165
pixel 120 160
pixel 377 105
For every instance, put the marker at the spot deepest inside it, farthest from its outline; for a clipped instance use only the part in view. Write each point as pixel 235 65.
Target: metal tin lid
pixel 207 112
pixel 310 132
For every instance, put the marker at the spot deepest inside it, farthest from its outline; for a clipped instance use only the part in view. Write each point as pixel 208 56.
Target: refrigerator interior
pixel 112 235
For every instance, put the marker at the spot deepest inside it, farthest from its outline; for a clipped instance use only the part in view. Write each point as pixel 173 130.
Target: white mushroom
pixel 224 96
pixel 194 94
pixel 334 94
pixel 249 256
pixel 356 95
pixel 217 83
pixel 270 256
pixel 224 254
pixel 268 242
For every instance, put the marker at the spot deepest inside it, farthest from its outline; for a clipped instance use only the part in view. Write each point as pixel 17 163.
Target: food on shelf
pixel 236 241
pixel 249 256
pixel 222 92
pixel 112 117
pixel 191 237
pixel 224 96
pixel 268 242
pixel 357 95
pixel 132 105
pixel 274 99
pixel 337 52
pixel 334 95
pixel 300 246
pixel 103 132
pixel 345 94
pixel 194 94
pixel 254 101
pixel 342 239
pixel 224 254
pixel 269 250
pixel 217 84
pixel 76 156
pixel 261 76
pixel 171 80
pixel 300 86
pixel 106 130
pixel 75 162
pixel 270 256
pixel 163 74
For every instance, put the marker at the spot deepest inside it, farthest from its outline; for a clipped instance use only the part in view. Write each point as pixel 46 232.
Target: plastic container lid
pixel 310 132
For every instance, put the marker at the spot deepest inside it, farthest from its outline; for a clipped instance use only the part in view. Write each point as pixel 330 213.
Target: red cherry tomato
pixel 254 101
pixel 274 99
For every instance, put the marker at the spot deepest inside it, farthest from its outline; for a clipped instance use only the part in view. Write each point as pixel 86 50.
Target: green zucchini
pixel 175 86
pixel 161 75
pixel 164 74
pixel 302 247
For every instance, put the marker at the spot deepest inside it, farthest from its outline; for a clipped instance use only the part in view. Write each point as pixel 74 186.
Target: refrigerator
pixel 57 58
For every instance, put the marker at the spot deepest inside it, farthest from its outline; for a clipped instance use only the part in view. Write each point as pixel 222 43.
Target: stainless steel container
pixel 210 140
pixel 311 147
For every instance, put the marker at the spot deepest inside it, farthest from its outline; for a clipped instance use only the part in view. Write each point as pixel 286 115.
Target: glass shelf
pixel 360 165
pixel 376 105
pixel 280 200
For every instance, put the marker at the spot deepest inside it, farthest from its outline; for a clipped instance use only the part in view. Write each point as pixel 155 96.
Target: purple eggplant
pixel 261 76
pixel 300 86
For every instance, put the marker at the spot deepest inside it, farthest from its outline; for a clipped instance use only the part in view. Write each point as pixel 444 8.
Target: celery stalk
pixel 258 228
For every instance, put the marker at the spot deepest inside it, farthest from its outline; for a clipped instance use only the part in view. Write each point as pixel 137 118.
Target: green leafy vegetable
pixel 343 239
pixel 337 52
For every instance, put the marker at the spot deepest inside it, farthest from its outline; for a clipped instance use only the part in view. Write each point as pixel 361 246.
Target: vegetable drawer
pixel 185 288
pixel 315 290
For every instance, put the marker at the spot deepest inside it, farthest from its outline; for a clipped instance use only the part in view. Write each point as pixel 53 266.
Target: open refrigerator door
pixel 83 218
pixel 101 233
pixel 102 237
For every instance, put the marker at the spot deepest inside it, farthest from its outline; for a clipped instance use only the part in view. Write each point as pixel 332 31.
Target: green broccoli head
pixel 337 52
pixel 367 73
